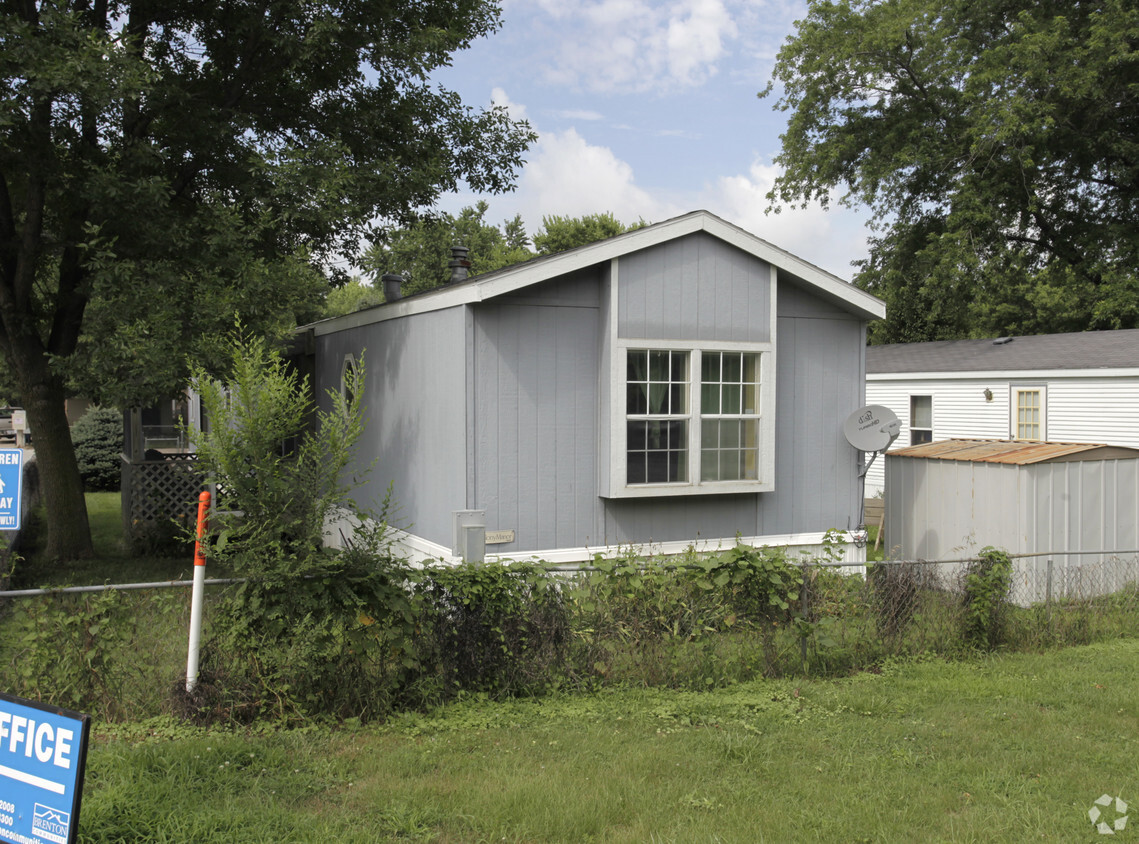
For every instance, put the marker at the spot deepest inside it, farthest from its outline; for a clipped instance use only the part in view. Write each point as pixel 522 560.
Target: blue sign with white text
pixel 43 753
pixel 11 473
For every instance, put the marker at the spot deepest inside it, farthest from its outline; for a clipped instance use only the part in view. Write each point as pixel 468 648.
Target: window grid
pixel 1028 414
pixel 729 416
pixel 657 410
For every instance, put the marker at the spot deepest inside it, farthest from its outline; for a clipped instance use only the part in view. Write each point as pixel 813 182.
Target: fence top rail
pixel 107 587
pixel 553 569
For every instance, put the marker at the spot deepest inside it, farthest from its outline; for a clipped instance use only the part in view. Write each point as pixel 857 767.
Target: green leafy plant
pixel 498 629
pixel 763 585
pixel 312 630
pixel 986 599
pixel 98 441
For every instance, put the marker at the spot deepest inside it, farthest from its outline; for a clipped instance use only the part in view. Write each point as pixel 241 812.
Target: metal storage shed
pixel 950 499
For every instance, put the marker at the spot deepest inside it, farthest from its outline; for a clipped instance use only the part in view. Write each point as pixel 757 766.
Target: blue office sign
pixel 11 474
pixel 43 754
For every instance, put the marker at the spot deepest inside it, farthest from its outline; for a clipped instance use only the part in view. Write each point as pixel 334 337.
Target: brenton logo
pixel 50 824
pixel 1108 820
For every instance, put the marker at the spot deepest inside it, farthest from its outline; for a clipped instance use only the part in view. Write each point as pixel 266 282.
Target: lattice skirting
pixel 157 493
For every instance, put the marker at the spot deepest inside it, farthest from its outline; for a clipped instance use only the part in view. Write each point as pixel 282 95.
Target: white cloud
pixel 516 111
pixel 612 46
pixel 567 175
pixel 576 114
pixel 830 238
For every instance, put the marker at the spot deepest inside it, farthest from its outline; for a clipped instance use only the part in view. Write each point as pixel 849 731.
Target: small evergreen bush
pixel 98 441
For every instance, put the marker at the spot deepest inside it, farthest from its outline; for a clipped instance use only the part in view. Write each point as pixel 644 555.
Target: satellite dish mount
pixel 871 429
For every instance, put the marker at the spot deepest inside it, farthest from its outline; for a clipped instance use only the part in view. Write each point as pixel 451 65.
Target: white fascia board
pixel 505 281
pixel 1003 375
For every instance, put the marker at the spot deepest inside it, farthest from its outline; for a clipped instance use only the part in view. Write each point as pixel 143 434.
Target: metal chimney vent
pixel 460 265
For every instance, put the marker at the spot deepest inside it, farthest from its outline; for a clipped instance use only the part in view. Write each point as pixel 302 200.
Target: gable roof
pixel 1080 350
pixel 509 279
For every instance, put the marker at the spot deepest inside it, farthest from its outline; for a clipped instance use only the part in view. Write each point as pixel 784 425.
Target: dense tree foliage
pixel 421 253
pixel 164 165
pixel 997 145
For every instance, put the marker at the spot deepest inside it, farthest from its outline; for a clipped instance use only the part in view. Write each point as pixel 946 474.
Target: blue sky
pixel 648 109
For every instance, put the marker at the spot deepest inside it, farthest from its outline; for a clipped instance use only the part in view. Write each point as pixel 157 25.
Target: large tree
pixel 997 145
pixel 165 164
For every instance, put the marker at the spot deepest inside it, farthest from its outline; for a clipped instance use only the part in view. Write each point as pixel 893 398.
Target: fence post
pixel 1048 591
pixel 198 590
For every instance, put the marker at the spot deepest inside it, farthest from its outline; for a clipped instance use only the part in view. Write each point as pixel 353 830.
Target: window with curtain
pixel 692 417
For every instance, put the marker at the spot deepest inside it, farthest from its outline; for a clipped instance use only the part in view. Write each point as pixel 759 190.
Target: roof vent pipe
pixel 392 286
pixel 460 265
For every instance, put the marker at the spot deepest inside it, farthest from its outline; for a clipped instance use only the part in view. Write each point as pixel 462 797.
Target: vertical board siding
pixel 694 288
pixel 536 425
pixel 415 403
pixel 818 384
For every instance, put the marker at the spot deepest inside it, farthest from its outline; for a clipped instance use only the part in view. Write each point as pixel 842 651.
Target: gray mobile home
pixel 681 384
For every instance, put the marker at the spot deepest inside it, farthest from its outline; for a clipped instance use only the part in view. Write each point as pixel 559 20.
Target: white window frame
pixel 349 361
pixel 1015 391
pixel 618 452
pixel 914 427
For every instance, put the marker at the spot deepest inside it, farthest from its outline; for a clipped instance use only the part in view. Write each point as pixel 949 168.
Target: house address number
pixel 499 537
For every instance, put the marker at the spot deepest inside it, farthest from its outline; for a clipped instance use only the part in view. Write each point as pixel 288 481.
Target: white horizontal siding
pixel 1079 408
pixel 1094 410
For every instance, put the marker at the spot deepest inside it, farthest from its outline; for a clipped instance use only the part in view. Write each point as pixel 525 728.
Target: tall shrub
pixel 98 441
pixel 311 631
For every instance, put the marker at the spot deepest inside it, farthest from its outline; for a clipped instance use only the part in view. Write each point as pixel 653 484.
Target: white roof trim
pixel 1004 375
pixel 510 279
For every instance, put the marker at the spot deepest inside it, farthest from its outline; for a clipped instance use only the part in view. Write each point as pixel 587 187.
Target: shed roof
pixel 1079 350
pixel 509 279
pixel 1015 451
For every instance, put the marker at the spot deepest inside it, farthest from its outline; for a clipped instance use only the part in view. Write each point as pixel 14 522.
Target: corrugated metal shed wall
pixel 948 509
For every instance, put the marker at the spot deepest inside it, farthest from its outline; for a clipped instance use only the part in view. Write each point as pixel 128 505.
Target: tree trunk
pixel 68 533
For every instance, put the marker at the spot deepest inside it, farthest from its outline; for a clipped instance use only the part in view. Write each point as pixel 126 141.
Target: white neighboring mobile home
pixel 681 384
pixel 1074 388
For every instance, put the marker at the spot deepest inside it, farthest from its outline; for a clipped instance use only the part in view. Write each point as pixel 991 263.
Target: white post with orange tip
pixel 198 590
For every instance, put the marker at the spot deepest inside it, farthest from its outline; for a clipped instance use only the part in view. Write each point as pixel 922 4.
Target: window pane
pixel 751 399
pixel 729 434
pixel 658 398
pixel 638 398
pixel 658 366
pixel 636 472
pixel 732 369
pixel 731 399
pixel 710 366
pixel 921 411
pixel 710 398
pixel 636 436
pixel 709 435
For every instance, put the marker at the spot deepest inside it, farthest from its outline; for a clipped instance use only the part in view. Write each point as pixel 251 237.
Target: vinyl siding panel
pixel 536 376
pixel 694 288
pixel 415 401
pixel 818 385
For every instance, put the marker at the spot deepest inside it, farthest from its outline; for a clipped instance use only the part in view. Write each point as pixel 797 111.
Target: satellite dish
pixel 871 428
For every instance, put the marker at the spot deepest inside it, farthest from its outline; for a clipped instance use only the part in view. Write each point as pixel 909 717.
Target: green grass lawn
pixel 111 564
pixel 1006 748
